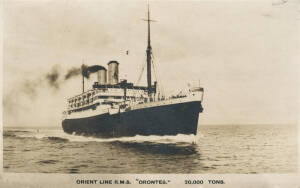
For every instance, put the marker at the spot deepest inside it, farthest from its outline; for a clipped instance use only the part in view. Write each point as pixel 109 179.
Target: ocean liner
pixel 113 108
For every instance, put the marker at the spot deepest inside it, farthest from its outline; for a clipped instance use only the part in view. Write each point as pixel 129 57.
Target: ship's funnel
pixel 102 78
pixel 113 72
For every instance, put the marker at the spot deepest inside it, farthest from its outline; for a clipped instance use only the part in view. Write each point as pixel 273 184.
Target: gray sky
pixel 243 52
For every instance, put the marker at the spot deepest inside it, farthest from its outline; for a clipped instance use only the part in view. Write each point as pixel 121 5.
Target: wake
pixel 59 135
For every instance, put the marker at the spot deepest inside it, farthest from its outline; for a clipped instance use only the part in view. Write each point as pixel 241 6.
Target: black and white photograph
pixel 147 87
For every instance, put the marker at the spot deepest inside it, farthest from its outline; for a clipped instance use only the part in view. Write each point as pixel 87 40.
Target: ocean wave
pixel 8 134
pixel 59 135
pixel 48 161
pixel 55 138
pixel 138 138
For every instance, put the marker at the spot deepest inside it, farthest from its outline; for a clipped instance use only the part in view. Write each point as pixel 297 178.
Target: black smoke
pixel 30 89
pixel 84 70
pixel 52 78
pixel 95 68
pixel 72 72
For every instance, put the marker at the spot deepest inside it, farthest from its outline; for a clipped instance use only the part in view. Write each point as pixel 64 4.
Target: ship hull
pixel 172 119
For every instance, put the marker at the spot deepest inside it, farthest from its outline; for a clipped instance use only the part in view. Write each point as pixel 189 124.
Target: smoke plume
pixel 52 77
pixel 84 71
pixel 72 72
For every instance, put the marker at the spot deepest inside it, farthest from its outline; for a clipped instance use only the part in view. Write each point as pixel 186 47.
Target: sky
pixel 244 54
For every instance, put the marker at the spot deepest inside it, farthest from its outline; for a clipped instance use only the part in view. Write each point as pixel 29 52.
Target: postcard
pixel 150 93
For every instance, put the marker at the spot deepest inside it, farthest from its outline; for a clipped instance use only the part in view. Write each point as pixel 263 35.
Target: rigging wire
pixel 142 71
pixel 157 76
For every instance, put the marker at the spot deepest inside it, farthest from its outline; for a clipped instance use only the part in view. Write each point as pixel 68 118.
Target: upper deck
pixel 106 95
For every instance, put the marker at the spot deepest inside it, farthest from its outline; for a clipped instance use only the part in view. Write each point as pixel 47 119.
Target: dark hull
pixel 160 120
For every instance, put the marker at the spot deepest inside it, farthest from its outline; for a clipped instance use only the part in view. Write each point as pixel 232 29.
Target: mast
pixel 82 73
pixel 149 52
pixel 82 83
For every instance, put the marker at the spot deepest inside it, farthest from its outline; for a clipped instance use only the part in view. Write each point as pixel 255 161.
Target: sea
pixel 215 149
